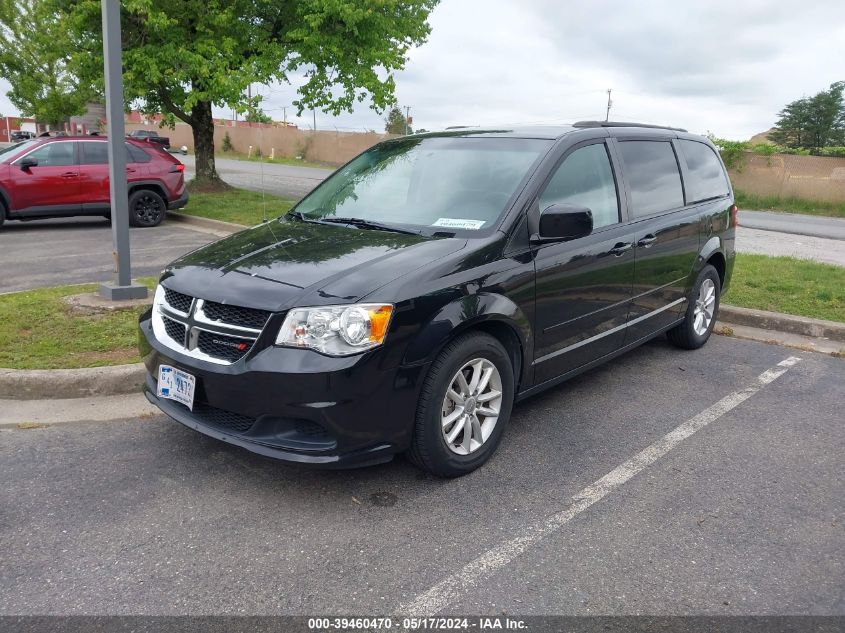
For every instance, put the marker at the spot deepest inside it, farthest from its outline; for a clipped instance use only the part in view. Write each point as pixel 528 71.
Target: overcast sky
pixel 720 66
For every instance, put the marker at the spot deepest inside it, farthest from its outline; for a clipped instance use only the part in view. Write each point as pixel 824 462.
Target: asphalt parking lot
pixel 743 515
pixel 79 250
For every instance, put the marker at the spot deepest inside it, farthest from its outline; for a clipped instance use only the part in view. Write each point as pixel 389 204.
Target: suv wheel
pixel 2 212
pixel 702 311
pixel 146 208
pixel 464 406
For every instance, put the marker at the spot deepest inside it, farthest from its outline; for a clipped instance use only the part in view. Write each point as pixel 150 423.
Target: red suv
pixel 59 177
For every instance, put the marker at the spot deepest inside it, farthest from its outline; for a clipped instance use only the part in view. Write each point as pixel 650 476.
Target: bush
pixel 832 151
pixel 227 143
pixel 733 152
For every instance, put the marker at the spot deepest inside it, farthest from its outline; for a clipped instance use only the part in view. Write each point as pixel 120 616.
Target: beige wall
pixel 791 176
pixel 334 148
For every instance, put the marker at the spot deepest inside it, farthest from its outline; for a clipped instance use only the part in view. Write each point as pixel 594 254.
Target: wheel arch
pixel 713 253
pixel 492 314
pixel 152 185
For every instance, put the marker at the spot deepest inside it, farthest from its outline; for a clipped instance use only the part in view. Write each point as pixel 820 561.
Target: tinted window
pixel 137 155
pixel 585 178
pixel 94 153
pixel 97 153
pixel 53 154
pixel 653 176
pixel 706 177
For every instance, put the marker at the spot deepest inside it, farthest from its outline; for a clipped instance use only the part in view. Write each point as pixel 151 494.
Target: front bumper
pixel 295 405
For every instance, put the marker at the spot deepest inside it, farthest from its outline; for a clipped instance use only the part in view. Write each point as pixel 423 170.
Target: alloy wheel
pixel 471 406
pixel 147 209
pixel 704 307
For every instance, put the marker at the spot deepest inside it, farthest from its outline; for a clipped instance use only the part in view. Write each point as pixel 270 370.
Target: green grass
pixel 38 330
pixel 792 286
pixel 278 160
pixel 235 205
pixel 789 205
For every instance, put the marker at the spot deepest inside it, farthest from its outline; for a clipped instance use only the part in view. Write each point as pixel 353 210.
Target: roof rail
pixel 625 124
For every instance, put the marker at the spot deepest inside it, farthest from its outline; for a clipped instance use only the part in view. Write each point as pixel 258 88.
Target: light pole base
pixel 114 292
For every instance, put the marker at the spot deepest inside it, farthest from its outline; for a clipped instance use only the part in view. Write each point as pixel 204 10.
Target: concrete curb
pixel 50 384
pixel 217 226
pixel 782 322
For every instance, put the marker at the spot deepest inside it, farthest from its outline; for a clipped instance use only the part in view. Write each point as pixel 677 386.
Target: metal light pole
pixel 122 288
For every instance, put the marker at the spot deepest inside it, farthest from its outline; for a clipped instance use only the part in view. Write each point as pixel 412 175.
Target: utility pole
pixel 407 125
pixel 285 111
pixel 314 114
pixel 609 104
pixel 123 288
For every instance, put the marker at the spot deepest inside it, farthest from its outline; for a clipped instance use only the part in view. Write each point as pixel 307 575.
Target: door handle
pixel 647 241
pixel 621 248
pixel 70 174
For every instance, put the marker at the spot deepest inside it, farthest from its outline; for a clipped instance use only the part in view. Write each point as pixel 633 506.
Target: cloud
pixel 721 66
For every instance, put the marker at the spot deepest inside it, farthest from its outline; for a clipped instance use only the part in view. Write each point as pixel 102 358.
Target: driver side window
pixel 58 154
pixel 585 178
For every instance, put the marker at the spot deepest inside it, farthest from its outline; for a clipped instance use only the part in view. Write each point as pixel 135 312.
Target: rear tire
pixel 146 208
pixel 456 433
pixel 702 311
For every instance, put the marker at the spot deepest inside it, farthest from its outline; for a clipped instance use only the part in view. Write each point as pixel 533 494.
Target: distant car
pixel 60 177
pixel 21 135
pixel 150 136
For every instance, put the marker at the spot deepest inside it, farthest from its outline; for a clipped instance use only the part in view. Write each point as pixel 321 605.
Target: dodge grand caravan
pixel 408 301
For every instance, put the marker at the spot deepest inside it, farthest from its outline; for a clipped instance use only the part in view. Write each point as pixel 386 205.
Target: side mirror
pixel 28 162
pixel 561 222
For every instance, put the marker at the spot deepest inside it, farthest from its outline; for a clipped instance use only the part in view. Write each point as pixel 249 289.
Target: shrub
pixel 733 152
pixel 227 143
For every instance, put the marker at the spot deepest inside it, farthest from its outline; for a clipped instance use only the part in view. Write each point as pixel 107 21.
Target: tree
pixel 257 115
pixel 813 122
pixel 395 122
pixel 182 57
pixel 34 60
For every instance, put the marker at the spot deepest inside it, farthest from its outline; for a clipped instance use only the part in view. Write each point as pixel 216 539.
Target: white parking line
pixel 453 587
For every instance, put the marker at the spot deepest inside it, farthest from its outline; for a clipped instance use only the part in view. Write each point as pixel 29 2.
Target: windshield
pixel 435 183
pixel 17 146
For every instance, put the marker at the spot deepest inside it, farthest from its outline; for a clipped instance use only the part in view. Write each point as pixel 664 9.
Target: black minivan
pixel 408 301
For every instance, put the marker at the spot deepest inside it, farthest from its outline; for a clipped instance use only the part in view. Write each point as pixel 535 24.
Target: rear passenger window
pixel 706 177
pixel 137 155
pixel 94 153
pixel 585 178
pixel 653 176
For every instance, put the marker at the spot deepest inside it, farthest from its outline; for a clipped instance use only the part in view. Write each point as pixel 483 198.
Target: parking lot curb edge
pixel 50 384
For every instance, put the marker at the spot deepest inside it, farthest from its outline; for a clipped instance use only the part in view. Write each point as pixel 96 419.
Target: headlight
pixel 336 330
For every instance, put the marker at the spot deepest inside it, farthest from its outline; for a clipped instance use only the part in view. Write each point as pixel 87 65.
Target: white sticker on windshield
pixel 457 223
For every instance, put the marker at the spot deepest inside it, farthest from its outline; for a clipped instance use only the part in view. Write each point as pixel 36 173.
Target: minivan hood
pixel 274 265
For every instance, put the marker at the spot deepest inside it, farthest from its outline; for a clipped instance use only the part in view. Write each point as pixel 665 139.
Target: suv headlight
pixel 336 330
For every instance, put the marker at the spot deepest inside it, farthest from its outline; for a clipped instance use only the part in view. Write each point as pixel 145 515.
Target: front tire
pixel 702 311
pixel 146 208
pixel 464 406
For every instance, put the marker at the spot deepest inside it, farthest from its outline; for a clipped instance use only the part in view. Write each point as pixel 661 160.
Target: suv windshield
pixel 430 183
pixel 17 146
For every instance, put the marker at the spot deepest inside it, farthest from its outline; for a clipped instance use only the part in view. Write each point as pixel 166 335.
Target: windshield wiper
pixel 368 224
pixel 299 215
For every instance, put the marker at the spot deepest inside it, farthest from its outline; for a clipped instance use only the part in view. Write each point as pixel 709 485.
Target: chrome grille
pixel 175 330
pixel 177 300
pixel 236 315
pixel 206 330
pixel 225 347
